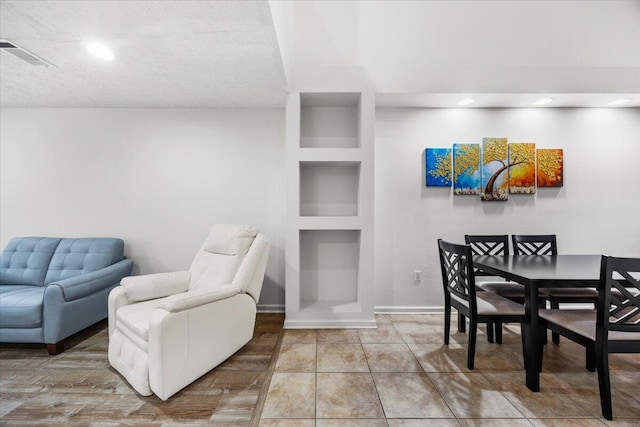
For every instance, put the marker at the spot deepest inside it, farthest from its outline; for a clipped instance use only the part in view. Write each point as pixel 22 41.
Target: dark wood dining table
pixel 535 272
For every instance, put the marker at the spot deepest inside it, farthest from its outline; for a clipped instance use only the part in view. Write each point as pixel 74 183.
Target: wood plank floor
pixel 78 387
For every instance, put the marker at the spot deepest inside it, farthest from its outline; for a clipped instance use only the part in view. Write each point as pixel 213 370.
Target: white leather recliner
pixel 166 330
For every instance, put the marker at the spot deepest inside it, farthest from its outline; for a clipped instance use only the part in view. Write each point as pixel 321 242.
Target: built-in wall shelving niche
pixel 329 237
pixel 329 263
pixel 329 120
pixel 329 188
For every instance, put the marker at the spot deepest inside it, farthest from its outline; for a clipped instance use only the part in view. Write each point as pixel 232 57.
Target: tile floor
pixel 401 374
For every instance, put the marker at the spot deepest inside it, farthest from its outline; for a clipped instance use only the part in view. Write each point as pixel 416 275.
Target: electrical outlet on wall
pixel 417 275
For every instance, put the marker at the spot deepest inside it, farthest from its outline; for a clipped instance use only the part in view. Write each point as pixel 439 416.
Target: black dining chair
pixel 493 245
pixel 614 327
pixel 539 244
pixel 458 280
pixel 546 245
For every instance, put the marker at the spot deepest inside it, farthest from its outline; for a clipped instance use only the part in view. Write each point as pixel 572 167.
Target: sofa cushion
pixel 21 306
pixel 25 260
pixel 74 257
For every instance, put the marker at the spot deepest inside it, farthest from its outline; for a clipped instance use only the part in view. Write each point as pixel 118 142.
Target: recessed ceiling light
pixel 100 51
pixel 619 102
pixel 543 101
pixel 466 101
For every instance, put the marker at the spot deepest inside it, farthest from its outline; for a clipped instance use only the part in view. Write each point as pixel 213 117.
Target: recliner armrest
pixel 86 284
pixel 151 286
pixel 192 299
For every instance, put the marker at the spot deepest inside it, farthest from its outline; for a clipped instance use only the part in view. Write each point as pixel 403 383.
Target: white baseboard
pixel 270 308
pixel 409 309
pixel 576 306
pixel 329 324
pixel 380 309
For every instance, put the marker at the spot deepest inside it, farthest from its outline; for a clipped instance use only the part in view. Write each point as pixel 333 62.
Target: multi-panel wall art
pixel 550 167
pixel 495 162
pixel 522 168
pixel 466 169
pixel 438 167
pixel 495 169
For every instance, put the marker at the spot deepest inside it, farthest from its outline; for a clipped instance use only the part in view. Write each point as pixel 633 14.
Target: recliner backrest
pixel 220 256
pixel 74 257
pixel 251 272
pixel 25 260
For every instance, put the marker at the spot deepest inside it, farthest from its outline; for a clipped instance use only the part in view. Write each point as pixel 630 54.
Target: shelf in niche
pixel 330 155
pixel 330 223
pixel 329 263
pixel 329 306
pixel 329 120
pixel 329 188
pixel 342 142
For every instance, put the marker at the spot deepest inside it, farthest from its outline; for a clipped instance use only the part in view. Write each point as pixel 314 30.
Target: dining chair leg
pixel 471 351
pixel 602 360
pixel 590 357
pixel 462 323
pixel 555 337
pixel 447 321
pixel 490 332
pixel 498 328
pixel 542 333
pixel 524 359
pixel 542 303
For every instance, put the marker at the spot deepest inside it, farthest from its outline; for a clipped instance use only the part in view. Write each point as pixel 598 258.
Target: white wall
pixel 159 178
pixel 156 178
pixel 468 46
pixel 597 210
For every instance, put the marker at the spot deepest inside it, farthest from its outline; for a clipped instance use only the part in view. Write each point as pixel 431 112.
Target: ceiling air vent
pixel 23 54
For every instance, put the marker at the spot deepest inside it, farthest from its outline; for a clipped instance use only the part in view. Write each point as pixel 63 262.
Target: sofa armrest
pixel 191 299
pixel 86 284
pixel 151 286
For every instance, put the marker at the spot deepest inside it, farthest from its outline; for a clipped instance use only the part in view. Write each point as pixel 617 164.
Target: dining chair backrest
pixel 543 244
pixel 457 272
pixel 619 304
pixel 487 245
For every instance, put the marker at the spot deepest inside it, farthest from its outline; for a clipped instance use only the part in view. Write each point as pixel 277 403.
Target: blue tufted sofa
pixel 51 288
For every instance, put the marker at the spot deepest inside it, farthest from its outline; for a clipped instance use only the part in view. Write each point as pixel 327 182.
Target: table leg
pixel 530 329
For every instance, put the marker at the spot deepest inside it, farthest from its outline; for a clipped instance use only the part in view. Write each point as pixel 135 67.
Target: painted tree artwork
pixel 522 168
pixel 550 167
pixel 438 167
pixel 466 169
pixel 495 163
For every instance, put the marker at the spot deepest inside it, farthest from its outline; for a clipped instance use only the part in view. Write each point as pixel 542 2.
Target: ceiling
pixel 230 54
pixel 170 54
